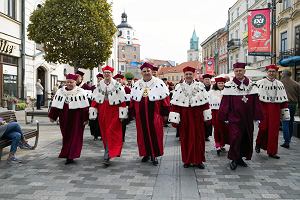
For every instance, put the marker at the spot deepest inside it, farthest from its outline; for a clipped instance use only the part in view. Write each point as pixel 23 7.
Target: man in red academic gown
pixel 71 105
pixel 190 110
pixel 274 100
pixel 150 102
pixel 239 107
pixel 108 103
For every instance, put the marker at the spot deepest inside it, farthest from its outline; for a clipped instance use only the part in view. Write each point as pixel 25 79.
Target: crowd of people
pixel 228 109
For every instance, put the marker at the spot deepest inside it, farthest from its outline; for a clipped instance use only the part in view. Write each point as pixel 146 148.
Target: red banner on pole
pixel 259 34
pixel 210 66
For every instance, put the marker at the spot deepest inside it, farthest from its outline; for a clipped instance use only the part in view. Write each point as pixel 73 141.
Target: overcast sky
pixel 164 27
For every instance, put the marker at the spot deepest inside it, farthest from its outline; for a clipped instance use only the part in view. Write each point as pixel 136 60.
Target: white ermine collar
pixel 156 90
pixel 231 88
pixel 76 98
pixel 186 95
pixel 271 91
pixel 114 91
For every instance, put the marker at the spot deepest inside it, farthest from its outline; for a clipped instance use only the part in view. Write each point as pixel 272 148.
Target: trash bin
pixel 296 129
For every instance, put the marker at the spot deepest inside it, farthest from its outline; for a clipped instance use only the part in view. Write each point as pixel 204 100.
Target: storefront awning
pixel 290 61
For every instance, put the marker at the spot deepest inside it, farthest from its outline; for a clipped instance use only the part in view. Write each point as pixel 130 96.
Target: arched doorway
pixel 41 74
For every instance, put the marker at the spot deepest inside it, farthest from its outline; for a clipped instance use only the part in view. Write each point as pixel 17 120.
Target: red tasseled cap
pixel 220 79
pixel 72 76
pixel 99 75
pixel 147 65
pixel 207 76
pixel 118 76
pixel 108 68
pixel 239 65
pixel 273 66
pixel 189 69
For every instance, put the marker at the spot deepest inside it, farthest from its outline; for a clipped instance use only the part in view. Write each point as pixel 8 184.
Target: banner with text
pixel 259 33
pixel 210 66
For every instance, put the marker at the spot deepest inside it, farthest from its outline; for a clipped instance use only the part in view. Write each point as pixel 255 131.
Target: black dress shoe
pixel 106 162
pixel 219 152
pixel 242 163
pixel 287 146
pixel 154 161
pixel 257 149
pixel 233 165
pixel 274 156
pixel 201 166
pixel 186 165
pixel 145 159
pixel 69 161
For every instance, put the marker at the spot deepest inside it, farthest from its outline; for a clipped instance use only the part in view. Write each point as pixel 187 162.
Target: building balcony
pixel 233 44
pixel 289 53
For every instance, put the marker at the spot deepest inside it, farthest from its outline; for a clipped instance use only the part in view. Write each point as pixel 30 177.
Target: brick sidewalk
pixel 43 176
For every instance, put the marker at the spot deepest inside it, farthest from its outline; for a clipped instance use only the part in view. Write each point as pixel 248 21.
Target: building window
pixel 11 9
pixel 128 42
pixel 134 48
pixel 286 4
pixel 236 58
pixel 9 59
pixel 122 68
pixel 247 4
pixel 53 81
pixel 128 32
pixel 238 12
pixel 283 43
pixel 232 17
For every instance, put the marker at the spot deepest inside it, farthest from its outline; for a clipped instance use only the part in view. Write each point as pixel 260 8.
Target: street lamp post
pixel 273 28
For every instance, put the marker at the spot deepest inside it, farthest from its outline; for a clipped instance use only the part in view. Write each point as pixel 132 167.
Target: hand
pixel 85 123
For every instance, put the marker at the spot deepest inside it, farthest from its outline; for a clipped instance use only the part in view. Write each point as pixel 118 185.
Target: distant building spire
pixel 194 42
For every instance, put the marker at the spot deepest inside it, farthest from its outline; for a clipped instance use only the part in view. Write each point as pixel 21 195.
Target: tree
pixel 77 32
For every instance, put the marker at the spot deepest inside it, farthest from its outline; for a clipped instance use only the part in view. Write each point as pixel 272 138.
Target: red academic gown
pixel 149 125
pixel 149 116
pixel 72 128
pixel 192 133
pixel 220 130
pixel 110 126
pixel 267 137
pixel 108 118
pixel 240 116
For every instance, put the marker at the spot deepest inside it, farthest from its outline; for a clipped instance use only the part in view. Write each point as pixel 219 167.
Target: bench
pixel 35 113
pixel 10 116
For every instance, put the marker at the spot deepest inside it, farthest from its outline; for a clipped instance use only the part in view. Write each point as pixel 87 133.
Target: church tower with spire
pixel 194 53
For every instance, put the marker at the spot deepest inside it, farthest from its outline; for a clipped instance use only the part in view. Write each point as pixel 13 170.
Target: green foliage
pixel 20 106
pixel 129 75
pixel 77 32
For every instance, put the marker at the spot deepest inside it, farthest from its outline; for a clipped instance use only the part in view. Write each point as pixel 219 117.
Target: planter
pixel 4 103
pixel 11 106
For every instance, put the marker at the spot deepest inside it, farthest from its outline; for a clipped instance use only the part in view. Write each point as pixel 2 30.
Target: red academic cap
pixel 155 68
pixel 220 79
pixel 80 73
pixel 147 65
pixel 273 66
pixel 72 76
pixel 207 76
pixel 108 68
pixel 189 69
pixel 118 76
pixel 239 65
pixel 99 75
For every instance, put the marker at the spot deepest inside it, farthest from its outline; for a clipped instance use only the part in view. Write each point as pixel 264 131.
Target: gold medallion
pixel 145 93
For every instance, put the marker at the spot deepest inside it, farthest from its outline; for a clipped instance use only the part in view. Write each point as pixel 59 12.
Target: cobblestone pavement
pixel 43 176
